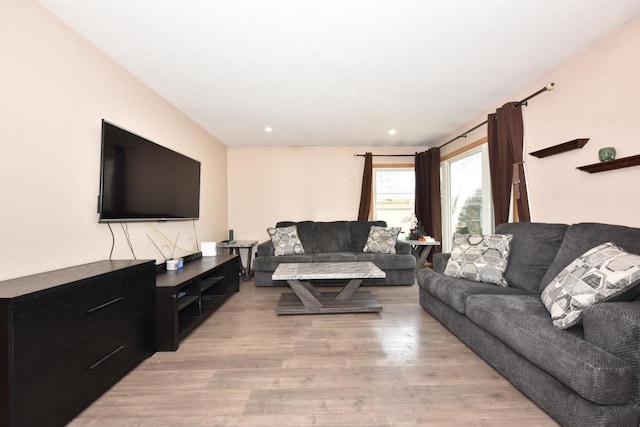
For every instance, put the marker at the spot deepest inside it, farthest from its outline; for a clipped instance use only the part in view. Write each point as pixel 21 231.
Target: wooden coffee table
pixel 306 299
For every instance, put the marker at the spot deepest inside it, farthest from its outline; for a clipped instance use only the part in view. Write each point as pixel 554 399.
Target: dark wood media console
pixel 67 336
pixel 187 296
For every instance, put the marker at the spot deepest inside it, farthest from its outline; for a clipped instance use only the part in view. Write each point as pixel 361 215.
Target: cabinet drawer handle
pixel 106 304
pixel 95 365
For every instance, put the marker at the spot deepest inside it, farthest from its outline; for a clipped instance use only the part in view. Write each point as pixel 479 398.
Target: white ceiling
pixel 340 72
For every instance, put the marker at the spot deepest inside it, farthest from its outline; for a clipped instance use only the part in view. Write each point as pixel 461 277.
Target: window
pixel 394 194
pixel 466 193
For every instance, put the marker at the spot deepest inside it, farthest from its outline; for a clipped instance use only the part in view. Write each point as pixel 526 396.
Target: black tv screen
pixel 143 181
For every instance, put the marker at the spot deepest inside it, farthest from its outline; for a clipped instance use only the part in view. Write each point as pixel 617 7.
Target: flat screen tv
pixel 143 181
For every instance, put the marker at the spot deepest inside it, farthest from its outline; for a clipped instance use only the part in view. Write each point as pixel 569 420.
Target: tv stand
pixel 186 297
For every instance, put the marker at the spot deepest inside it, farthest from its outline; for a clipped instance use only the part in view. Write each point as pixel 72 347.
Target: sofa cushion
pixel 265 249
pixel 270 263
pixel 305 232
pixel 597 276
pixel 285 241
pixel 331 237
pixel 334 257
pixel 478 257
pixel 382 240
pixel 533 248
pixel 389 261
pixel 360 231
pixel 522 322
pixel 440 262
pixel 615 328
pixel 403 247
pixel 454 291
pixel 579 238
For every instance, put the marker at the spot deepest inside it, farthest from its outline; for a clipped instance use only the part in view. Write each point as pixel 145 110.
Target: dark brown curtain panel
pixel 428 204
pixel 367 184
pixel 505 132
pixel 500 171
pixel 512 113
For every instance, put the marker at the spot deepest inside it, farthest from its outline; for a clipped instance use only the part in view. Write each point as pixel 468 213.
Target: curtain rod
pixel 549 86
pixel 386 155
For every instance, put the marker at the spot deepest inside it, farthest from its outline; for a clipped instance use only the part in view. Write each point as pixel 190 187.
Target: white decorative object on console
pixel 209 248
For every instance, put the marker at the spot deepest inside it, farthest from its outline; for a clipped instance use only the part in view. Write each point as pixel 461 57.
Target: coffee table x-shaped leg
pixel 306 299
pixel 309 295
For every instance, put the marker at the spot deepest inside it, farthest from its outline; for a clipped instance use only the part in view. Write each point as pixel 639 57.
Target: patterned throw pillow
pixel 480 258
pixel 596 276
pixel 285 240
pixel 382 240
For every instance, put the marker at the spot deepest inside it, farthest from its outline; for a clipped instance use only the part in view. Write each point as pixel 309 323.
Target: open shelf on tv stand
pixel 186 297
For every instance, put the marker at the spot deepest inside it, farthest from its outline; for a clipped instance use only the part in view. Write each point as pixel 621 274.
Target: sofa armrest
pixel 265 249
pixel 440 262
pixel 615 328
pixel 402 247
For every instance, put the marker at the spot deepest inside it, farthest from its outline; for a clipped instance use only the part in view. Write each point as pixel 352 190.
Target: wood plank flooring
pixel 246 366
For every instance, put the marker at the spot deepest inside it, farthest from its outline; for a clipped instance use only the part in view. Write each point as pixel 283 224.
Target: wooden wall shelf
pixel 561 148
pixel 624 162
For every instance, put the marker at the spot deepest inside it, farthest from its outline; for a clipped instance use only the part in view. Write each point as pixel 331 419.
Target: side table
pixel 421 250
pixel 235 248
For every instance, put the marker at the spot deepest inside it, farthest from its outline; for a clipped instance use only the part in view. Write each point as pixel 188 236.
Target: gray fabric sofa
pixel 337 241
pixel 587 375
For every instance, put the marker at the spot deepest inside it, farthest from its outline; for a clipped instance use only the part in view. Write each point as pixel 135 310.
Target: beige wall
pixel 596 97
pixel 270 184
pixel 56 88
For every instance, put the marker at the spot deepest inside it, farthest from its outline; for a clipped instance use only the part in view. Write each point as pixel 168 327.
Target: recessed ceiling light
pixel 392 131
pixel 268 129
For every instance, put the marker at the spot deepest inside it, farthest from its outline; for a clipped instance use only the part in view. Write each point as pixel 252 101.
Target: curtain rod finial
pixel 550 86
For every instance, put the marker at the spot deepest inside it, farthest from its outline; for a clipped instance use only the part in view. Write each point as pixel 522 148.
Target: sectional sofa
pixel 585 375
pixel 336 241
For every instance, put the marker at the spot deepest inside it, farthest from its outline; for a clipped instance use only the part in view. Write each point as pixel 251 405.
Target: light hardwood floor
pixel 246 366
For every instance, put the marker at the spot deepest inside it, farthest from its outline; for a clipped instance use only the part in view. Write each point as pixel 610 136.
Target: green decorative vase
pixel 607 153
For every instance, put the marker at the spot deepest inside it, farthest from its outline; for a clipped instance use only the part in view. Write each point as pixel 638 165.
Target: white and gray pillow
pixel 382 240
pixel 480 257
pixel 285 240
pixel 598 275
